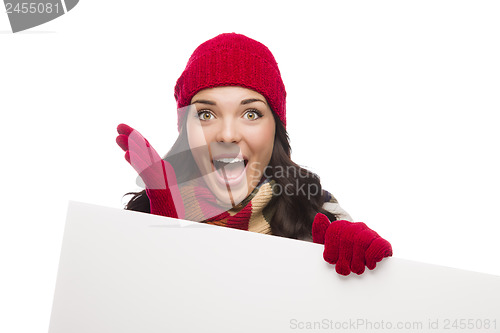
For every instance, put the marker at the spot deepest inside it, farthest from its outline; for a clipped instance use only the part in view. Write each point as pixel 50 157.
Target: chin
pixel 228 194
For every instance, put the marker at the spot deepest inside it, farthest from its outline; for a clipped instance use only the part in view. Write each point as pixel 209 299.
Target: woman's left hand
pixel 348 245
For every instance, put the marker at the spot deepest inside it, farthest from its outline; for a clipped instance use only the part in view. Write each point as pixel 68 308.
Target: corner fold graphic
pixel 25 15
pixel 70 4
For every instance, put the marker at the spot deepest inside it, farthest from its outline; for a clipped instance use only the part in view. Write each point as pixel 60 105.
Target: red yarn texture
pixel 232 59
pixel 349 246
pixel 156 173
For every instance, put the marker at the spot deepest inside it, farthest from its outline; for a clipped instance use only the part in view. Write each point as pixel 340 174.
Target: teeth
pixel 229 160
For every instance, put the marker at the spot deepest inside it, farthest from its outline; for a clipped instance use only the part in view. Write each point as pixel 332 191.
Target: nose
pixel 228 132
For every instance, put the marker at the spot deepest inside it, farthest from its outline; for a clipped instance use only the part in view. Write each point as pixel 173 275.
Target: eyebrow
pixel 243 102
pixel 251 100
pixel 204 101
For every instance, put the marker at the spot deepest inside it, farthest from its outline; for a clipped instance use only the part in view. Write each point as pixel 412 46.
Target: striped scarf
pixel 253 213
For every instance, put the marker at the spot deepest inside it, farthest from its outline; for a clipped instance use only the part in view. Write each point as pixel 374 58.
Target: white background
pixel 392 103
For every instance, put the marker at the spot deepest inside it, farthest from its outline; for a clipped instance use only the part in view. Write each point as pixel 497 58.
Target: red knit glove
pixel 157 174
pixel 349 246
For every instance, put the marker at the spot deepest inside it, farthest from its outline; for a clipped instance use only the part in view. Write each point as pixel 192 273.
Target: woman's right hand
pixel 157 174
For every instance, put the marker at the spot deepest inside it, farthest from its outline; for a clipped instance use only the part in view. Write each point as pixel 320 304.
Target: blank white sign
pixel 123 271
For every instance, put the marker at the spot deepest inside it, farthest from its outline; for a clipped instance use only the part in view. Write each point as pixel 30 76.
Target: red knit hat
pixel 232 60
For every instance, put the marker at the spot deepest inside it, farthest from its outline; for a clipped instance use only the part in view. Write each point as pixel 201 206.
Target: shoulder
pixel 332 205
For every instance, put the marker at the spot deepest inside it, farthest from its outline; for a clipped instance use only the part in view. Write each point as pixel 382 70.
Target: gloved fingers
pixel 332 241
pixel 153 176
pixel 346 247
pixel 138 139
pixel 122 141
pixel 146 154
pixel 342 267
pixel 319 227
pixel 378 250
pixel 358 264
pixel 131 139
pixel 136 161
pixel 133 136
pixel 361 243
pixel 141 146
pixel 158 175
pixel 124 129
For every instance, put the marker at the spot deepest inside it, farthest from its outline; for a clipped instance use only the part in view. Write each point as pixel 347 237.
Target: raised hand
pixel 157 174
pixel 349 246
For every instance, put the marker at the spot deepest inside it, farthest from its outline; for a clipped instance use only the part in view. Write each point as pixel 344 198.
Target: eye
pixel 205 115
pixel 252 114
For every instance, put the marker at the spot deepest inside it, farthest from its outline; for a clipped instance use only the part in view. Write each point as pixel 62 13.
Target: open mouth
pixel 230 169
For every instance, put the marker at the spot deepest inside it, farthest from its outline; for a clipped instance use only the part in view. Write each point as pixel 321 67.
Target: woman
pixel 231 163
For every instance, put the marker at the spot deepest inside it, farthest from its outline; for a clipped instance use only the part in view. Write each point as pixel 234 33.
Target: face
pixel 231 135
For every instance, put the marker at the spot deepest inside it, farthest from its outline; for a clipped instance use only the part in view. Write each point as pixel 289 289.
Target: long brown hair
pixel 294 210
